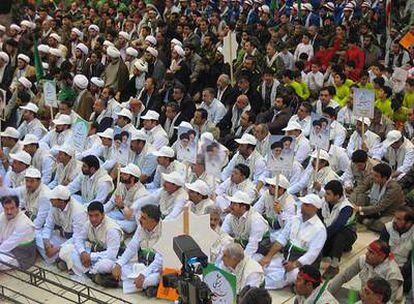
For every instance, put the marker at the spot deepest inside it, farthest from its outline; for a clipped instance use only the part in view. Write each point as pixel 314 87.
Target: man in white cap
pixel 84 100
pixel 98 243
pixel 238 181
pixel 9 144
pixel 156 134
pixel 156 68
pixel 65 107
pixel 20 161
pixel 124 121
pixel 23 69
pixel 17 235
pixel 81 55
pixel 398 151
pixel 141 154
pixel 116 74
pixel 247 155
pixel 276 205
pixel 245 224
pixel 147 234
pixel 302 145
pixel 42 160
pixel 216 110
pixel 31 124
pixel 166 164
pixel 119 206
pixel 94 183
pixel 131 55
pixel 247 271
pixel 61 134
pixel 171 197
pixel 314 179
pixel 369 141
pixel 300 241
pixel 198 195
pixel 65 217
pixel 136 83
pixel 68 167
pixel 33 196
pixel 6 72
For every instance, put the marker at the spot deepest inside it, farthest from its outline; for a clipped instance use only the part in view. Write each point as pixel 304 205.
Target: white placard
pixel 364 102
pixel 80 132
pixel 186 145
pixel 49 93
pixel 320 132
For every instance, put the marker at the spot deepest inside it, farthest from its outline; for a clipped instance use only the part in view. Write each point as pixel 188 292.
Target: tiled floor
pixel 279 297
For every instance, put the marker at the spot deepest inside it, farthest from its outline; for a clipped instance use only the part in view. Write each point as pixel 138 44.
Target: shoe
pixel 330 272
pixel 61 265
pixel 151 291
pixel 105 280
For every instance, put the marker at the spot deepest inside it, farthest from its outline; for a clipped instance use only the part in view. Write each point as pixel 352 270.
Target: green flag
pixel 352 296
pixel 37 61
pixel 300 9
pixel 274 6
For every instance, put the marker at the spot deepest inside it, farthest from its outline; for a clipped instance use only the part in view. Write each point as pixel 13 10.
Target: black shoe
pixel 105 280
pixel 61 265
pixel 151 291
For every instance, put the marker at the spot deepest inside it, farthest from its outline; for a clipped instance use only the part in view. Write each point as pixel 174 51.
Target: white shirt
pixel 255 162
pixel 304 123
pixel 355 142
pixel 102 189
pixel 314 81
pixel 303 48
pixel 157 137
pixel 337 133
pixel 15 232
pixel 216 110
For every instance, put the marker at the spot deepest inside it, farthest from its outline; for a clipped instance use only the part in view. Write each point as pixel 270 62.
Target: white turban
pixel 93 27
pixel 152 51
pixel 23 57
pixel 98 82
pixel 83 48
pixel 4 57
pixel 55 36
pixel 132 52
pixel 81 81
pixel 55 52
pixel 151 39
pixel 125 35
pixel 179 50
pixel 113 52
pixel 25 82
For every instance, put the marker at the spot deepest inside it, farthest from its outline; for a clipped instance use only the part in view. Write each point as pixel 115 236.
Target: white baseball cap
pixel 32 172
pixel 63 119
pixel 67 149
pixel 30 107
pixel 131 169
pixel 240 197
pixel 30 139
pixel 283 181
pixel 322 154
pixel 21 156
pixel 366 120
pixel 185 124
pixel 292 125
pixel 151 115
pixel 60 192
pixel 247 139
pixel 199 186
pixel 125 112
pixel 164 152
pixel 174 177
pixel 139 135
pixel 108 133
pixel 312 199
pixel 392 137
pixel 10 132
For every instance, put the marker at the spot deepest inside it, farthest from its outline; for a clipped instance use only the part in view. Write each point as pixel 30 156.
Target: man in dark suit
pixel 255 99
pixel 149 97
pixel 6 72
pixel 93 66
pixel 277 117
pixel 171 120
pixel 99 116
pixel 185 103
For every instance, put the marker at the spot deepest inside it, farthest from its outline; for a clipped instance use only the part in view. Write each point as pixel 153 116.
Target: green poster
pixel 221 283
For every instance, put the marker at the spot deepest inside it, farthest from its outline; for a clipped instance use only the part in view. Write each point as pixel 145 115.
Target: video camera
pixel 188 284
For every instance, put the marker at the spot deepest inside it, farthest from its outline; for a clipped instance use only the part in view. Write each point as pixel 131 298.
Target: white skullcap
pixel 25 82
pixel 10 132
pixel 125 35
pixel 93 27
pixel 246 139
pixel 81 81
pixel 15 27
pixel 55 52
pixel 176 42
pixel 21 156
pixel 4 57
pixel 140 65
pixel 131 52
pixel 151 39
pixel 30 107
pixel 113 52
pixel 23 57
pixel 44 48
pixel 152 51
pixel 56 37
pixel 179 50
pixel 32 172
pixel 185 124
pixel 98 82
pixel 84 49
